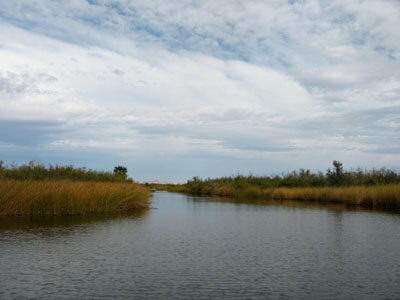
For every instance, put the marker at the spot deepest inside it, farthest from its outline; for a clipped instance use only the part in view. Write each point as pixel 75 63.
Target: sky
pixel 176 89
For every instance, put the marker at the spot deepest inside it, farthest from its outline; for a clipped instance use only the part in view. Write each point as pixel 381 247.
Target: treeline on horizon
pixel 35 170
pixel 335 177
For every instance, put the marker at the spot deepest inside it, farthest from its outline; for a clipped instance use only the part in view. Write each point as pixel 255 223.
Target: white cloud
pixel 234 80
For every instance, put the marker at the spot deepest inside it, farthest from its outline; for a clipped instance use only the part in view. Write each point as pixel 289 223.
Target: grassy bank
pixel 67 197
pixel 383 196
pixel 378 196
pixel 376 188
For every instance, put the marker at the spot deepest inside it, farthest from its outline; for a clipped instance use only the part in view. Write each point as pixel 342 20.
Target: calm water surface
pixel 204 248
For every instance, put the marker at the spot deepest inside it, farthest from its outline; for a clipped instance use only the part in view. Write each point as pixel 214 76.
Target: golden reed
pixel 66 197
pixel 380 196
pixel 377 196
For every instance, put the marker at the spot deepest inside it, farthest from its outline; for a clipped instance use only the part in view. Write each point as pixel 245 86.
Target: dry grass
pixel 65 197
pixel 378 196
pixel 383 196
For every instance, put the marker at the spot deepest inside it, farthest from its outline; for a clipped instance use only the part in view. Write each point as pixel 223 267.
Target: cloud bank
pixel 182 88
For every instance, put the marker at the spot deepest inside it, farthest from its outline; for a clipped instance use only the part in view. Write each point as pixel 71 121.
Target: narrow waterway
pixel 195 247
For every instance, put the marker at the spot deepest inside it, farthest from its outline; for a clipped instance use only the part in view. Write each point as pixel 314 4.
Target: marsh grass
pixel 383 196
pixel 378 196
pixel 66 197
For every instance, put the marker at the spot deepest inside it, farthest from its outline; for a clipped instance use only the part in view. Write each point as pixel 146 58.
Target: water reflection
pixel 295 204
pixel 198 247
pixel 29 223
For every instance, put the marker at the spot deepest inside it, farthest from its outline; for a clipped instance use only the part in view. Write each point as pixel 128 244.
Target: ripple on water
pixel 201 248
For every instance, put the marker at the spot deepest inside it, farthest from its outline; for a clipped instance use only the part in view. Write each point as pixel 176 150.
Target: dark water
pixel 201 248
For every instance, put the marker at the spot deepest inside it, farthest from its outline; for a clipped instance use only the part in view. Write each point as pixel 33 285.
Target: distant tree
pixel 336 176
pixel 196 179
pixel 121 170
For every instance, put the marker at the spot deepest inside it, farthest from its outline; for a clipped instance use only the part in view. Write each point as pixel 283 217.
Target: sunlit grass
pixel 65 197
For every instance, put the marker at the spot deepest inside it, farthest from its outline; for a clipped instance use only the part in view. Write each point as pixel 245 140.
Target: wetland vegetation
pixel 375 188
pixel 34 189
pixel 37 171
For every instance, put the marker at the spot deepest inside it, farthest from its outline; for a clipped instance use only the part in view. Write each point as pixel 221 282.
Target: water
pixel 204 248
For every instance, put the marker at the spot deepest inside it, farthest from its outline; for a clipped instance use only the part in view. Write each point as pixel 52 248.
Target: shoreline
pixel 385 197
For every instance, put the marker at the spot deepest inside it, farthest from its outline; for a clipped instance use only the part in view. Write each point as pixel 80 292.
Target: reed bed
pixel 381 196
pixel 377 196
pixel 66 197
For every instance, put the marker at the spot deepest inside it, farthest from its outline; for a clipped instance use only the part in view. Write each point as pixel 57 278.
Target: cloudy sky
pixel 174 89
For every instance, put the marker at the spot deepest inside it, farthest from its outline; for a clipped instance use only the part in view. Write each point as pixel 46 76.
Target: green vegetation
pixel 120 172
pixel 66 197
pixel 376 188
pixel 160 186
pixel 37 171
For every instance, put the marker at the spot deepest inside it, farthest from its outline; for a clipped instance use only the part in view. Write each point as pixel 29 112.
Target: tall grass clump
pixel 67 197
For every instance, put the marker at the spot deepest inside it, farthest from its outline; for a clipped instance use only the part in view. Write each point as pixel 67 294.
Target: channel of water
pixel 198 247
